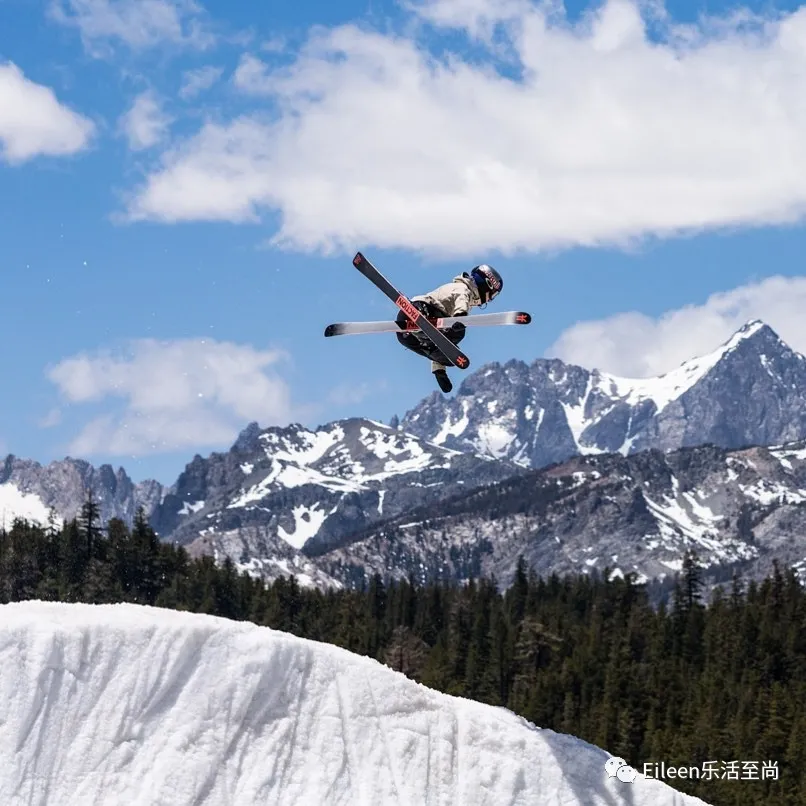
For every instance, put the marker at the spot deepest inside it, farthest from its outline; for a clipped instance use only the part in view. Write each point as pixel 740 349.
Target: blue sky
pixel 183 186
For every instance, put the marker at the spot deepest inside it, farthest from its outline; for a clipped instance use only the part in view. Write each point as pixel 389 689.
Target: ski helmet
pixel 488 281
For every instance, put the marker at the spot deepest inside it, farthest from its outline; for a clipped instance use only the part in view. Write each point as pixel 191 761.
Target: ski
pixel 451 352
pixel 479 320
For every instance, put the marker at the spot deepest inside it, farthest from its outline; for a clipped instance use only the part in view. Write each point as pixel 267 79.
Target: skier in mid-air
pixel 468 290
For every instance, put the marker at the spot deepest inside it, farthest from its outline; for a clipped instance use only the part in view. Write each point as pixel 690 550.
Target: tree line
pixel 719 687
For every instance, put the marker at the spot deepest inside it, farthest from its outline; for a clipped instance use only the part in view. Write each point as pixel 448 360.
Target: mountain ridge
pixel 294 499
pixel 639 514
pixel 548 411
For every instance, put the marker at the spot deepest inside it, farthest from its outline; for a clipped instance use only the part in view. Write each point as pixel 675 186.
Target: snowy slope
pixel 119 704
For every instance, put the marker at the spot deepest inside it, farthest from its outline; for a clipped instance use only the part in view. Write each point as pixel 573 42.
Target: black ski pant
pixel 418 343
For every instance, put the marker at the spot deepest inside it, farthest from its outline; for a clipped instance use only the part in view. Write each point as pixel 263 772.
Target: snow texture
pixel 26 506
pixel 307 522
pixel 121 704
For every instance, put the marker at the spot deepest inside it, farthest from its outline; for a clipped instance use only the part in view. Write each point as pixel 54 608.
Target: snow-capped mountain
pixel 58 490
pixel 737 509
pixel 750 391
pixel 335 503
pixel 145 705
pixel 280 490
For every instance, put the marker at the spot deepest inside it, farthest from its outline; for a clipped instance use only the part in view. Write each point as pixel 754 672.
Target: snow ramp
pixel 122 705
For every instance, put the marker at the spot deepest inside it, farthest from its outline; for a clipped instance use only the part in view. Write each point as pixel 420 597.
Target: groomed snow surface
pixel 133 706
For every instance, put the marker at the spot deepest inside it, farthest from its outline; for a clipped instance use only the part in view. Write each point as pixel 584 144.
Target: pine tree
pixel 406 652
pixel 89 521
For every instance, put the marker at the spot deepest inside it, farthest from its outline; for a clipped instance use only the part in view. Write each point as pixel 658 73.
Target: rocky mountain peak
pixel 248 439
pixel 746 390
pixel 295 488
pixel 32 491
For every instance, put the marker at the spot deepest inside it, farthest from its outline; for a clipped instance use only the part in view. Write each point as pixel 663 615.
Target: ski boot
pixel 443 380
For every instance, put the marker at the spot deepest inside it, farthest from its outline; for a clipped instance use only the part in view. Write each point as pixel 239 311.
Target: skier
pixel 468 290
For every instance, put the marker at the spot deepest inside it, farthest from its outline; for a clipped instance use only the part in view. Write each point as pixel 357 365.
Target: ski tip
pixel 358 259
pixel 523 318
pixel 331 330
pixel 462 361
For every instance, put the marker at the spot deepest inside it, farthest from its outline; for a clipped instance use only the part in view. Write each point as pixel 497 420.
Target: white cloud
pixel 51 419
pixel 252 75
pixel 139 24
pixel 607 137
pixel 220 175
pixel 145 124
pixel 275 44
pixel 635 345
pixel 33 122
pixel 194 82
pixel 177 394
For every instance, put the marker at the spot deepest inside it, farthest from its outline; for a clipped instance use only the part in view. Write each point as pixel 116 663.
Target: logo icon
pixel 619 768
pixel 408 308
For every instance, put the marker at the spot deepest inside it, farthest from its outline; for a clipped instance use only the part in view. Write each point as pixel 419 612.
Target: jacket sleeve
pixel 462 300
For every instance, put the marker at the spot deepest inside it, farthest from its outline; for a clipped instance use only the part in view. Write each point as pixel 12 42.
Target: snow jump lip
pixel 126 704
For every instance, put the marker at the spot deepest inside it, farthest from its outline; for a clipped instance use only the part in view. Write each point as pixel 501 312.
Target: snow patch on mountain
pixel 289 476
pixel 189 507
pixel 494 439
pixel 16 504
pixel 307 522
pixel 143 705
pixel 450 428
pixel 786 455
pixel 313 444
pixel 670 512
pixel 578 421
pixel 685 519
pixel 768 492
pixel 273 567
